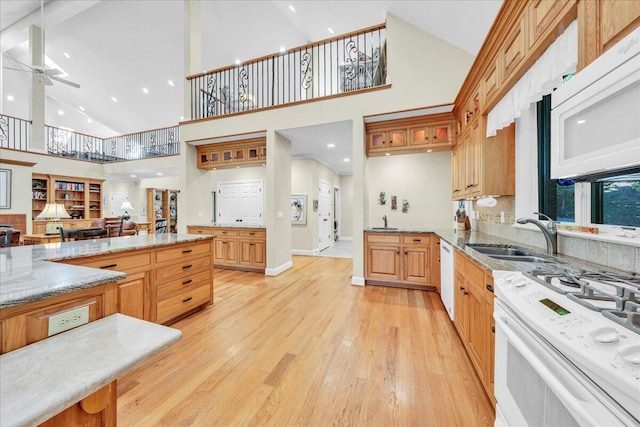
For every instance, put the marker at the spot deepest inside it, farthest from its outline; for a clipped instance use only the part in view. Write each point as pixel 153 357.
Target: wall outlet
pixel 199 214
pixel 68 320
pixel 501 217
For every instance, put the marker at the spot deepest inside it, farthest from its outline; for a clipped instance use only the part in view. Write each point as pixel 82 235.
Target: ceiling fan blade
pixel 53 72
pixel 18 69
pixel 23 64
pixel 47 81
pixel 67 82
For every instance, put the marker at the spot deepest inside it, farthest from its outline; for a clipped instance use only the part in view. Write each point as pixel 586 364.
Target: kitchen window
pixel 614 203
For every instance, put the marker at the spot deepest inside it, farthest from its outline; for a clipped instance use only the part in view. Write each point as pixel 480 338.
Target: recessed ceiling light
pixel 581 121
pixel 66 54
pixel 10 98
pixel 181 118
pixel 133 176
pixel 145 90
pixel 331 145
pixel 113 98
pixel 347 160
pixel 170 83
pixel 159 174
pixel 387 154
pixel 89 120
pixel 291 8
pixel 81 108
pixel 429 151
pixel 330 30
pixel 238 62
pixel 282 49
pixel 60 112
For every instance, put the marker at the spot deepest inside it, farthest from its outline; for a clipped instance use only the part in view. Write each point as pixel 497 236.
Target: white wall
pixel 422 179
pixel 346 206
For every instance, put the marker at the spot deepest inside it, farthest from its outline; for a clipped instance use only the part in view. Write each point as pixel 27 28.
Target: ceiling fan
pixel 46 75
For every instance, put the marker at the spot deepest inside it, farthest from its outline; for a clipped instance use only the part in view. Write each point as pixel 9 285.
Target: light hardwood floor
pixel 307 348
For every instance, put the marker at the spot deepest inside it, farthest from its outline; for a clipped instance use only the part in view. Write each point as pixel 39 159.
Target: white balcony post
pixel 36 106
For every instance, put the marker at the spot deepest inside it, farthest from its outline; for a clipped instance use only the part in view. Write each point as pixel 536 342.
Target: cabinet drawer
pixel 124 263
pixel 177 286
pixel 416 239
pixel 225 232
pixel 200 230
pixel 474 274
pixel 383 238
pixel 183 302
pixel 183 252
pixel 181 269
pixel 252 233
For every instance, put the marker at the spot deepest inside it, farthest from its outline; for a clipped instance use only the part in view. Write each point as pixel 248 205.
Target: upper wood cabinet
pixel 411 135
pixel 247 152
pixel 514 49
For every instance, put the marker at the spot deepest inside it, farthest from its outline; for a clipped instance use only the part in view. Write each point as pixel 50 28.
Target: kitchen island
pixel 46 290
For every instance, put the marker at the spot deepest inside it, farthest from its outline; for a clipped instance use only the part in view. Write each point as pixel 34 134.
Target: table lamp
pixel 126 206
pixel 53 211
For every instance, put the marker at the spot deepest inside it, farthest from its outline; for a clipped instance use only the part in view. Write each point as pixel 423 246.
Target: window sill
pixel 603 236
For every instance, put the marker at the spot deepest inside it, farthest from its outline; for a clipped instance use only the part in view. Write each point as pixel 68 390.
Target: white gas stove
pixel 588 327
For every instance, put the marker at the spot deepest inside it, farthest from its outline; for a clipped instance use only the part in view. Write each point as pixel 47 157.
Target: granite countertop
pixel 27 273
pixel 413 230
pixel 44 378
pixel 232 225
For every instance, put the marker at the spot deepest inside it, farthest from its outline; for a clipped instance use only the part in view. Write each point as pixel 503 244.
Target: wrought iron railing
pixel 330 67
pixel 134 146
pixel 14 132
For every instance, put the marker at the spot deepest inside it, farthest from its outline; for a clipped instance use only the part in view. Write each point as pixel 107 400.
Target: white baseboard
pixel 357 281
pixel 345 238
pixel 302 252
pixel 278 270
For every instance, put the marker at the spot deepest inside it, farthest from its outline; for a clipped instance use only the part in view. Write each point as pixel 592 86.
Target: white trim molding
pixel 357 281
pixel 278 270
pixel 303 252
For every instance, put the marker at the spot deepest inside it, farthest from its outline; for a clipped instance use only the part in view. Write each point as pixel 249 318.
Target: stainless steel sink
pixel 524 258
pixel 384 228
pixel 511 253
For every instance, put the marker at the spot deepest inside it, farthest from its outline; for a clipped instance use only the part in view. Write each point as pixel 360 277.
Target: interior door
pixel 251 202
pixel 325 224
pixel 228 203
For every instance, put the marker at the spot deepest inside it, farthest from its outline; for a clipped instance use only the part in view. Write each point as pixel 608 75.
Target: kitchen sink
pixel 524 258
pixel 511 253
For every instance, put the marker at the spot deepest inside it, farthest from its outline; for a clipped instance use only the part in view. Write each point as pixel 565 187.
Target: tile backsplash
pixel 623 257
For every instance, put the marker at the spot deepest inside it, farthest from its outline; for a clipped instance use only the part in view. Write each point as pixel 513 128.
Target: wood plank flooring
pixel 307 348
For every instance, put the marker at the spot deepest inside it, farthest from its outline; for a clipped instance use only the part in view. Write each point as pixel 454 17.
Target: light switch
pixel 280 214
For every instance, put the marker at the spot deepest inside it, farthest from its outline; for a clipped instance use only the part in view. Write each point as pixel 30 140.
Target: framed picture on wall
pixel 5 188
pixel 298 209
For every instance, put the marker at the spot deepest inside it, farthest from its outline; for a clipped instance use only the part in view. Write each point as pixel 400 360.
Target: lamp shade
pixel 126 205
pixel 53 211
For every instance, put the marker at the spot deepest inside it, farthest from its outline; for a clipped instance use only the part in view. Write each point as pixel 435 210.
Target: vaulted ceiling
pixel 115 48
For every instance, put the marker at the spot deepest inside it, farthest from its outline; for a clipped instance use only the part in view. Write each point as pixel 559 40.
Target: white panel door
pixel 115 201
pixel 325 225
pixel 251 202
pixel 228 203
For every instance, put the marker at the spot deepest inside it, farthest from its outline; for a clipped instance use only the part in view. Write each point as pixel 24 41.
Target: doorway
pixel 336 213
pixel 324 215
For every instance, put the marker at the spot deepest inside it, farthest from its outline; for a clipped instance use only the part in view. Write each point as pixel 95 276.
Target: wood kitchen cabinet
pixel 412 135
pixel 473 301
pixel 483 166
pixel 246 152
pixel 237 248
pixel 252 249
pixel 399 259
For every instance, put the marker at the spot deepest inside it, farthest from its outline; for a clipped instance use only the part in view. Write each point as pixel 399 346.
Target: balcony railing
pixel 15 134
pixel 330 67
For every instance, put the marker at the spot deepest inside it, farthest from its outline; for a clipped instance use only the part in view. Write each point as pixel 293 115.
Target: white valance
pixel 560 59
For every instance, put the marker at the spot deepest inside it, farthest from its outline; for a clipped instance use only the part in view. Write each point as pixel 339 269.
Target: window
pixel 615 202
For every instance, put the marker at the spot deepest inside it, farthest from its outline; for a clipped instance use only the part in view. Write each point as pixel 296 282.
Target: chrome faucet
pixel 550 231
pixel 384 218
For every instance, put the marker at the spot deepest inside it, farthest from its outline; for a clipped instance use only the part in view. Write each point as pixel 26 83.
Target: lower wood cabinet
pixel 237 248
pixel 28 323
pixel 473 301
pixel 399 259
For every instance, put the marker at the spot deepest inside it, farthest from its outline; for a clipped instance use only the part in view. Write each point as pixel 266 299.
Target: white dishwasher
pixel 446 276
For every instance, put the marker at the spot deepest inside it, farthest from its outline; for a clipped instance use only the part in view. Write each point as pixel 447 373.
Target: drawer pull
pixel 186 282
pixel 493 329
pixel 187 251
pixel 252 244
pixel 417 240
pixel 184 267
pixel 199 231
pixel 187 299
pixel 109 266
pixel 489 288
pixel 252 234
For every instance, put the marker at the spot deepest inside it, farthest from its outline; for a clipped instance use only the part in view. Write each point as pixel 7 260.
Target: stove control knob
pixel 605 335
pixel 510 277
pixel 630 354
pixel 519 283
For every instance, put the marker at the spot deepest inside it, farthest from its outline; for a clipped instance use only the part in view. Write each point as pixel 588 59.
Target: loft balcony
pixel 344 65
pixel 15 134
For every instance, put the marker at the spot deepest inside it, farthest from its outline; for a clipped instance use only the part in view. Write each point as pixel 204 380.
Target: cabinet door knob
pixel 461 288
pixel 489 288
pixel 466 293
pixel 493 329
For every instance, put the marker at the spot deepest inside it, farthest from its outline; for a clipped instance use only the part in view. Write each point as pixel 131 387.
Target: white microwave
pixel 595 116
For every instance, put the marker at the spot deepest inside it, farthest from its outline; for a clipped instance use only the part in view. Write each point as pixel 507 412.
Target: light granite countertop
pixel 44 378
pixel 27 273
pixel 233 225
